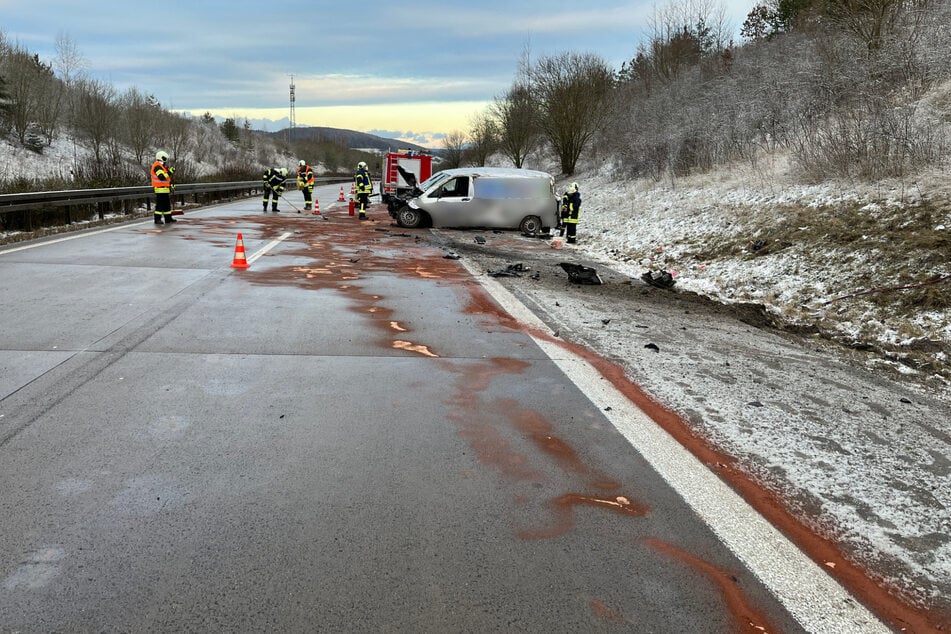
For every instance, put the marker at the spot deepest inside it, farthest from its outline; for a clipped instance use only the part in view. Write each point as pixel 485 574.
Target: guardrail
pixel 43 201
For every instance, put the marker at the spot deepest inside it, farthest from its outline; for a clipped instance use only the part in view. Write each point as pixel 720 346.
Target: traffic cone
pixel 239 262
pixel 352 190
pixel 341 199
pixel 316 206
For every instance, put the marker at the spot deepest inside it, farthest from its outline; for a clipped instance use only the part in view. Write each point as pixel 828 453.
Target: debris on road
pixel 660 279
pixel 512 270
pixel 581 274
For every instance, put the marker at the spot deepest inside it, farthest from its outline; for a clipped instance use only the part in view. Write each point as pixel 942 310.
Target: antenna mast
pixel 293 114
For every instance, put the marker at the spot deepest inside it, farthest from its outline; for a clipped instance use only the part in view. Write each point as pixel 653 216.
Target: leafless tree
pixel 454 145
pixel 517 123
pixel 572 92
pixel 141 115
pixel 69 62
pixel 483 138
pixel 27 82
pixel 94 116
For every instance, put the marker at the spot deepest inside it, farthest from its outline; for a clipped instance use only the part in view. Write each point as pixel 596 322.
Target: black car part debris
pixel 660 279
pixel 579 274
pixel 512 270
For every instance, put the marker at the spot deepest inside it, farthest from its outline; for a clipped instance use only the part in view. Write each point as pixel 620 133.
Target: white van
pixel 497 197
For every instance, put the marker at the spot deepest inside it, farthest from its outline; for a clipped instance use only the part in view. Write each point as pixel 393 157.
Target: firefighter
pixel 161 174
pixel 274 178
pixel 363 187
pixel 305 183
pixel 570 207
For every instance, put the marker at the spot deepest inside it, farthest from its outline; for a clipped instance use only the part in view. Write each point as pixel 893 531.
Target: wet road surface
pixel 350 435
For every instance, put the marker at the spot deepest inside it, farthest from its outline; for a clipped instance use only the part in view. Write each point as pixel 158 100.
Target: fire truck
pixel 403 171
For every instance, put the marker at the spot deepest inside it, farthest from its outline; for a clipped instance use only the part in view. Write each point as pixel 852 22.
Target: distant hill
pixel 350 138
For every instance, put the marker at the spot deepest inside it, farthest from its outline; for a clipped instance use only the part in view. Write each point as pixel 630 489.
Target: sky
pixel 414 70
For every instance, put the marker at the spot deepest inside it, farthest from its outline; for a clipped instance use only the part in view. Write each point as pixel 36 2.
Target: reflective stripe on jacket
pixel 570 207
pixel 362 183
pixel 305 176
pixel 274 180
pixel 161 179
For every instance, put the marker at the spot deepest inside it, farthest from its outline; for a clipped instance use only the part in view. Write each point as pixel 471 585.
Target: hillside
pixel 348 138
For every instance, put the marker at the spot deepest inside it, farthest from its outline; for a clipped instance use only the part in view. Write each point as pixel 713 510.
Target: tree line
pixel 115 134
pixel 845 88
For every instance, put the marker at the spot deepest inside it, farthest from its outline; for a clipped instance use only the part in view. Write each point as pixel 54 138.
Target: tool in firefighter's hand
pixel 290 203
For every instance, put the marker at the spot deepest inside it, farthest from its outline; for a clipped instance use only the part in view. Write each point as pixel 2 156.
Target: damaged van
pixel 493 197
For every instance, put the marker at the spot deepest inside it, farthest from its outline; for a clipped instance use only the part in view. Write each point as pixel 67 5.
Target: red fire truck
pixel 403 171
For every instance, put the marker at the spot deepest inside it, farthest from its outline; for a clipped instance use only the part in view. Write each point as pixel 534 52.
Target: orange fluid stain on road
pixel 350 242
pixel 564 506
pixel 414 347
pixel 748 619
pixel 606 614
pixel 395 325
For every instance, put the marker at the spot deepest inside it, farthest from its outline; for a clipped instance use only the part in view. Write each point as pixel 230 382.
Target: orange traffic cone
pixel 352 190
pixel 341 199
pixel 316 207
pixel 239 262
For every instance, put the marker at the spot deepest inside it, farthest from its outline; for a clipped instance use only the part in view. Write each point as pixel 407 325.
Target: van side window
pixel 456 188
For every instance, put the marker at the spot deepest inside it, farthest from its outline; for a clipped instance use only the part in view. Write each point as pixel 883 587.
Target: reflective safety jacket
pixel 570 207
pixel 273 180
pixel 362 183
pixel 305 176
pixel 161 178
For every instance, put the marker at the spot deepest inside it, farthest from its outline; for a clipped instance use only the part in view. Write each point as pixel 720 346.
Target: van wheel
pixel 531 225
pixel 409 218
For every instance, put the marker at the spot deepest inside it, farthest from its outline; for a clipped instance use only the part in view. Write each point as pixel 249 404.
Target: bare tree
pixel 483 138
pixel 95 114
pixel 572 92
pixel 141 114
pixel 516 120
pixel 69 62
pixel 28 81
pixel 454 145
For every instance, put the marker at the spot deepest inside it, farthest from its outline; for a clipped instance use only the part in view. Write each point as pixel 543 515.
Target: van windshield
pixel 434 180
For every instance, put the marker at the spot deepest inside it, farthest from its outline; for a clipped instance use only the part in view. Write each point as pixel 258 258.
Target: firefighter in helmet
pixel 363 187
pixel 570 208
pixel 161 175
pixel 274 178
pixel 305 183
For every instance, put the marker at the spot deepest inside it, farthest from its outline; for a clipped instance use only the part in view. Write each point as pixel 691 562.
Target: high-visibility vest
pixel 161 180
pixel 305 175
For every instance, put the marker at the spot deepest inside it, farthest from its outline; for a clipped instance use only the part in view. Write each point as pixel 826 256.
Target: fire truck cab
pixel 403 171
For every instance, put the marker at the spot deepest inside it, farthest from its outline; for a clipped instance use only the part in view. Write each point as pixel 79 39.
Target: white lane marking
pixel 73 236
pixel 808 593
pixel 270 245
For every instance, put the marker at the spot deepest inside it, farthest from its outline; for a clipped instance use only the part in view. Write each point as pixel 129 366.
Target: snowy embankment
pixel 797 250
